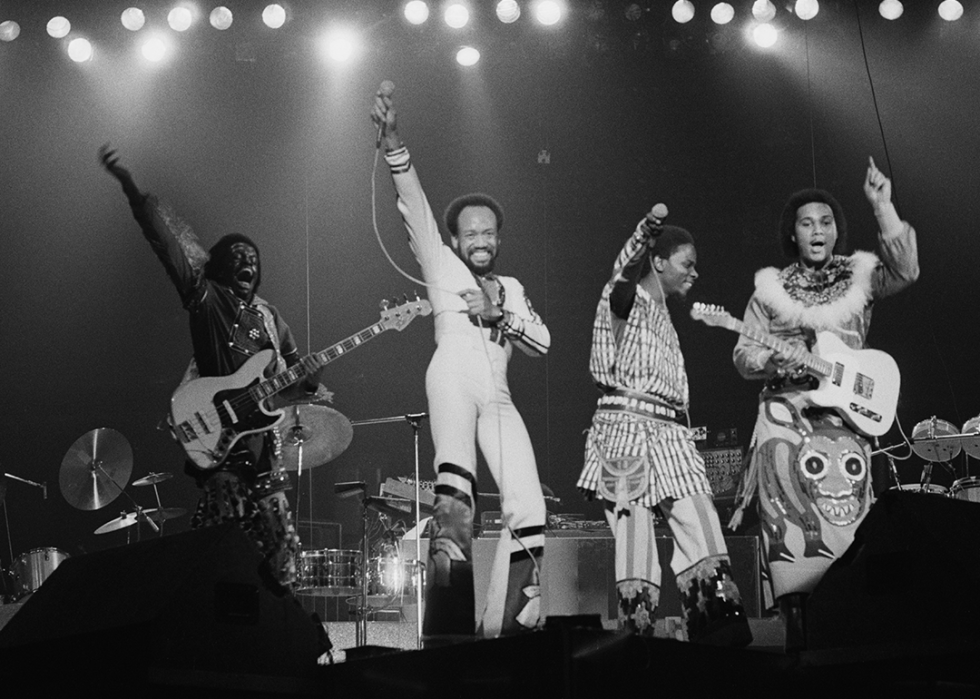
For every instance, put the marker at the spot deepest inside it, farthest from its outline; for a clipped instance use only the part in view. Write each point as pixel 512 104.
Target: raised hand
pixel 385 117
pixel 110 161
pixel 877 187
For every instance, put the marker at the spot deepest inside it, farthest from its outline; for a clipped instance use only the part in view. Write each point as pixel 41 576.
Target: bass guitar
pixel 861 385
pixel 210 414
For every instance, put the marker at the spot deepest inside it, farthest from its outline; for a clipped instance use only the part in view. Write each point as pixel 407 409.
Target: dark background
pixel 252 130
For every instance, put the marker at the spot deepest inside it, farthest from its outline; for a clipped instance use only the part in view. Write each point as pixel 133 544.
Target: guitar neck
pixel 292 375
pixel 814 364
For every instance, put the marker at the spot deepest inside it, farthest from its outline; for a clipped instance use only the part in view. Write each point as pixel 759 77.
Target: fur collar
pixel 852 293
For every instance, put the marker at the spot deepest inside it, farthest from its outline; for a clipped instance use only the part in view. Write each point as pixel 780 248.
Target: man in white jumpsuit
pixel 479 317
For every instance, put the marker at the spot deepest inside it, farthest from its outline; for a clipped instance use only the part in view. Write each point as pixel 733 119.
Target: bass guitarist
pixel 811 470
pixel 229 323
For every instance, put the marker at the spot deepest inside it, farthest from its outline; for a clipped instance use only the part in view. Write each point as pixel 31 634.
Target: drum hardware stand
pixel 415 420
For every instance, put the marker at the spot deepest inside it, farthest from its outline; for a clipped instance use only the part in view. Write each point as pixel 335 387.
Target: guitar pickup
pixel 860 410
pixel 864 386
pixel 184 432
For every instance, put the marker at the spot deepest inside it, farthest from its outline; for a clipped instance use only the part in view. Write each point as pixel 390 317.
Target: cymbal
pixel 128 519
pixel 96 469
pixel 153 479
pixel 322 432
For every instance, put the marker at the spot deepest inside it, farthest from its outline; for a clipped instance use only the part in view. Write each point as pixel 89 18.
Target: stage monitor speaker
pixel 909 579
pixel 195 604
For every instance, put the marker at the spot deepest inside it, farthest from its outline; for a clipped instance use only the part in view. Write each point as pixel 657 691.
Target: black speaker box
pixel 173 609
pixel 910 578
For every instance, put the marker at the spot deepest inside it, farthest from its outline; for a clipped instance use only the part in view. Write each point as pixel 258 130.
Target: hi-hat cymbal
pixel 96 469
pixel 128 519
pixel 322 432
pixel 153 479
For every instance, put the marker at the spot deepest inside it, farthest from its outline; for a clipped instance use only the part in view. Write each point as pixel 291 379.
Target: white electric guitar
pixel 208 415
pixel 861 385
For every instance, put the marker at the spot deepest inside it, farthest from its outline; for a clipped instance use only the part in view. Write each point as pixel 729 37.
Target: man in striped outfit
pixel 480 317
pixel 639 452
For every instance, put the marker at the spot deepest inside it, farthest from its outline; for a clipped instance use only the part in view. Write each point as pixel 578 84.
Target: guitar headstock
pixel 713 315
pixel 398 317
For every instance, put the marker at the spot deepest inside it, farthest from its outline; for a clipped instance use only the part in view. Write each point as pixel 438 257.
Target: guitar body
pixel 209 415
pixel 863 386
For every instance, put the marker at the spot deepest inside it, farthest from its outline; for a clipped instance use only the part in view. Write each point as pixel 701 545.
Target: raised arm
pixel 172 240
pixel 898 248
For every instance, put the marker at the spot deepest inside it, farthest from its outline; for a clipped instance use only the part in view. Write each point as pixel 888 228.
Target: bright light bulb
pixel 274 16
pixel 547 12
pixel 154 50
pixel 722 13
pixel 9 30
pixel 133 19
pixel 416 11
pixel 682 11
pixel 764 35
pixel 58 27
pixel 341 45
pixel 80 50
pixel 950 10
pixel 763 10
pixel 467 56
pixel 890 9
pixel 807 9
pixel 457 16
pixel 221 18
pixel 180 19
pixel 508 11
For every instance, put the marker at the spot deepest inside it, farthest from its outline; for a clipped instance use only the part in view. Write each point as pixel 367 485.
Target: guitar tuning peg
pixel 384 304
pixel 405 298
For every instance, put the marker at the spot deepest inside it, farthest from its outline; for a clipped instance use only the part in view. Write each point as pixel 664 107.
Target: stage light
pixel 722 13
pixel 9 30
pixel 456 16
pixel 340 44
pixel 180 19
pixel 763 10
pixel 950 10
pixel 154 49
pixel 508 11
pixel 682 11
pixel 547 12
pixel 890 9
pixel 221 18
pixel 467 56
pixel 806 9
pixel 764 35
pixel 133 19
pixel 274 16
pixel 416 12
pixel 58 27
pixel 80 50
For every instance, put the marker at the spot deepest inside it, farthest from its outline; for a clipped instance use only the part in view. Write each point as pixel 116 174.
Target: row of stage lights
pixel 340 44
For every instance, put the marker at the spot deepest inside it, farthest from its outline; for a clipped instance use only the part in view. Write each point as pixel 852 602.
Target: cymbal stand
pixel 122 491
pixel 3 501
pixel 415 420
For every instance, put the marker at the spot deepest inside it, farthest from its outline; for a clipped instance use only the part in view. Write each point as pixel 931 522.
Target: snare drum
pixel 392 576
pixel 329 571
pixel 971 437
pixel 34 567
pixel 928 489
pixel 926 444
pixel 967 489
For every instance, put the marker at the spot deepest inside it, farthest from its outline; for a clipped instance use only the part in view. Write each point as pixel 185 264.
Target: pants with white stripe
pixel 710 600
pixel 466 384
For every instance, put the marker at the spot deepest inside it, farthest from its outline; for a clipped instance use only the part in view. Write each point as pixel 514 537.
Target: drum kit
pixel 938 441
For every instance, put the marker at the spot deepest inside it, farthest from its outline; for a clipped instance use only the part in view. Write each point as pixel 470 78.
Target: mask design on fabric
pixel 827 481
pixel 248 334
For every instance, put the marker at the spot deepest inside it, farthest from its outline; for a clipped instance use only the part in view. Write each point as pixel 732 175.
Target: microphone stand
pixel 415 420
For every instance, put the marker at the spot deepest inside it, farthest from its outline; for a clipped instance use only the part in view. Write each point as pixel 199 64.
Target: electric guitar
pixel 210 414
pixel 861 385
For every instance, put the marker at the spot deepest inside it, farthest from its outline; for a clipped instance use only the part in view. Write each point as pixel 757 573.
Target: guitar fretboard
pixel 285 379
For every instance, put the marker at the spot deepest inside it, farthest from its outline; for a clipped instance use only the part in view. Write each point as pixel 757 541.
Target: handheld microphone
pixel 386 89
pixel 654 221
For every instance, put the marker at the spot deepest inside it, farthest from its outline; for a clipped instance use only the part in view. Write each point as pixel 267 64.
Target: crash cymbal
pixel 96 469
pixel 153 479
pixel 322 432
pixel 126 519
